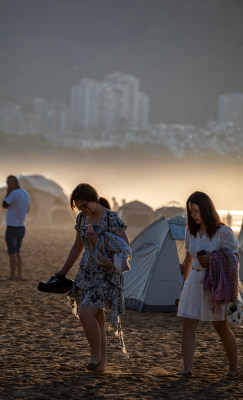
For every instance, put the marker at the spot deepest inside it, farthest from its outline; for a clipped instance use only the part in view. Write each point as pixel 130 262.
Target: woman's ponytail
pixel 86 192
pixel 104 202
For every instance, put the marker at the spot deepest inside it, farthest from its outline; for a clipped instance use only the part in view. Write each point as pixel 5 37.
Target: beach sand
pixel 43 348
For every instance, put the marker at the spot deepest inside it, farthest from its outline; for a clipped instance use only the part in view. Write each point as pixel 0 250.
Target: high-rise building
pixel 81 104
pixel 106 107
pixel 114 103
pixel 126 98
pixel 92 105
pixel 143 114
pixel 230 108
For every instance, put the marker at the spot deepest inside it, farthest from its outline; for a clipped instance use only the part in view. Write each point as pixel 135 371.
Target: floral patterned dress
pixel 95 286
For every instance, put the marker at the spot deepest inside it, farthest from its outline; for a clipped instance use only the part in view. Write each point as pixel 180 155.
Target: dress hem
pixel 199 319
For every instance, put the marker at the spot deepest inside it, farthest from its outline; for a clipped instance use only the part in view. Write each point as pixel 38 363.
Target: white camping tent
pixel 48 203
pixel 169 211
pixel 137 216
pixel 155 279
pixel 240 239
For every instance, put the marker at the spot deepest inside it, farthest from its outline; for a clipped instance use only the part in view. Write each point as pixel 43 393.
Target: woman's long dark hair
pixel 86 192
pixel 209 215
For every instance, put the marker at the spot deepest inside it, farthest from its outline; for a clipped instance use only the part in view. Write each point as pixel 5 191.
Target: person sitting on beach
pixel 96 289
pixel 206 234
pixel 16 202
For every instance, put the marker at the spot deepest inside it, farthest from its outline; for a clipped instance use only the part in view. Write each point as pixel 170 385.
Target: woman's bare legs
pixel 229 344
pixel 100 317
pixel 188 343
pixel 87 316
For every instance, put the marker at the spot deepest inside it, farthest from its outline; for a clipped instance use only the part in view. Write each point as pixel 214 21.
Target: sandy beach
pixel 44 350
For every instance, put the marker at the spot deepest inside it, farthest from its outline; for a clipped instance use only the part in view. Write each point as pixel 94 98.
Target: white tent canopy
pixel 169 211
pixel 240 239
pixel 48 203
pixel 137 216
pixel 155 280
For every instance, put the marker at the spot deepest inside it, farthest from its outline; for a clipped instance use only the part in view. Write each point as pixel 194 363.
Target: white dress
pixel 195 302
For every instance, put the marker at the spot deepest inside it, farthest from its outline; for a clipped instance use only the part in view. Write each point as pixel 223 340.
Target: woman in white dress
pixel 205 232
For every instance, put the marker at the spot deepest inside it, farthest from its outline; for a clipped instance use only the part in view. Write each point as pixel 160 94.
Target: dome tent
pixel 170 210
pixel 240 240
pixel 155 279
pixel 137 216
pixel 48 203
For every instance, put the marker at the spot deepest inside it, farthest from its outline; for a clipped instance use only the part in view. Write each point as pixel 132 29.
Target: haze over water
pixel 152 180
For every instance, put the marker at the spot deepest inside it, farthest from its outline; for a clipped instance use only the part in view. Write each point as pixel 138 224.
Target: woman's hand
pixel 74 253
pixel 60 272
pixel 92 237
pixel 204 260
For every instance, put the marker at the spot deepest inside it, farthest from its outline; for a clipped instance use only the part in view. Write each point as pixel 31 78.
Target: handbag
pixel 234 313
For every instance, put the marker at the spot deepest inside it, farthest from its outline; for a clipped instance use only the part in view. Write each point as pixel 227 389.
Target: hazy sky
pixel 184 52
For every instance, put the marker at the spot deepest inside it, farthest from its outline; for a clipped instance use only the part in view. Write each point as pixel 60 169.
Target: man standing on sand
pixel 17 202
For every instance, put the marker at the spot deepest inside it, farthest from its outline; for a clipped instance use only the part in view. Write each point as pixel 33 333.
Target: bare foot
pixel 93 365
pixel 185 373
pixel 232 374
pixel 97 368
pixel 101 367
pixel 10 279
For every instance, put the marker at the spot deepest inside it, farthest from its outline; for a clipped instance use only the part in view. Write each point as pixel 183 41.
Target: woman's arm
pixel 204 260
pixel 188 265
pixel 92 237
pixel 73 255
pixel 227 240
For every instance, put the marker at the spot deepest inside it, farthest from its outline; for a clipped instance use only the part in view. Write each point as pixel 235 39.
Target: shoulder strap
pixel 80 220
pixel 108 220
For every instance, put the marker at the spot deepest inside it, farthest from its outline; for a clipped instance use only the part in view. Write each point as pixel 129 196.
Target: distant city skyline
pixel 114 113
pixel 113 103
pixel 185 54
pixel 96 109
pixel 231 109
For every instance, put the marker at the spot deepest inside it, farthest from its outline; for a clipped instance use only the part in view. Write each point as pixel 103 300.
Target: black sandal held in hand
pixel 56 284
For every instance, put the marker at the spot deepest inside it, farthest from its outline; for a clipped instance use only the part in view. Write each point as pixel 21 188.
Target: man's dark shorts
pixel 14 236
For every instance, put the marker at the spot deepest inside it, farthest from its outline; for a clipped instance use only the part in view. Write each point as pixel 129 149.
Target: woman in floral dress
pixel 96 289
pixel 205 232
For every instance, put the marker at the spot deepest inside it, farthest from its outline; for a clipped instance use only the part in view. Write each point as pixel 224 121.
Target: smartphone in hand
pixel 201 253
pixel 89 228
